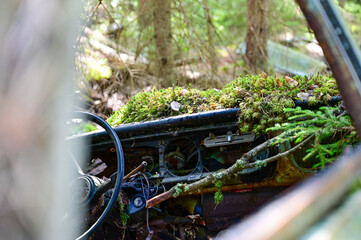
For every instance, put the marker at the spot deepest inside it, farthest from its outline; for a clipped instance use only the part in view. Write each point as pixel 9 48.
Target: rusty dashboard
pixel 185 149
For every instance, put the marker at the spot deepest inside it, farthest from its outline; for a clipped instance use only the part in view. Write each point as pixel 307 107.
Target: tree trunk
pixel 342 3
pixel 212 56
pixel 144 15
pixel 256 40
pixel 163 41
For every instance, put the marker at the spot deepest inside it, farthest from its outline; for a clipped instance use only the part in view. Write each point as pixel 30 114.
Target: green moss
pixel 124 217
pixel 218 196
pixel 261 100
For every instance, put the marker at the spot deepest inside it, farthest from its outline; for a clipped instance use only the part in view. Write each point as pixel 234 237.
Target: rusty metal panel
pixel 234 206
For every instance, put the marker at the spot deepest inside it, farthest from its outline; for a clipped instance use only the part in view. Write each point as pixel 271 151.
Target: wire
pixel 147 210
pixel 157 186
pixel 150 175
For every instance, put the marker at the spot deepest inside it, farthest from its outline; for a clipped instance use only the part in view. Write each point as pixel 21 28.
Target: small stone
pixel 175 106
pixel 303 96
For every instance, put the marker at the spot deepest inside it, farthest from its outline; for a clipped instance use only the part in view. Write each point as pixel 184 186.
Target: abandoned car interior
pixel 162 153
pixel 135 177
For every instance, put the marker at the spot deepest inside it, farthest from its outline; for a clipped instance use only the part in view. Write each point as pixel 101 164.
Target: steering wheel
pixel 95 186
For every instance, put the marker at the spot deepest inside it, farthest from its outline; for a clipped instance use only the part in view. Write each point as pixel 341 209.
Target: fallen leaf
pixel 291 81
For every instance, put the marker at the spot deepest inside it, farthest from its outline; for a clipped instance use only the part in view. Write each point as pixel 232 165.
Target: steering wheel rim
pixel 120 169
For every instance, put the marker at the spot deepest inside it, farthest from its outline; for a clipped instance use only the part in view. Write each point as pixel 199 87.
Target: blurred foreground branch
pixel 35 67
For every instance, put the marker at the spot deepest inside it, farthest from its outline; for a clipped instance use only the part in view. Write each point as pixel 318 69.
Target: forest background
pixel 129 46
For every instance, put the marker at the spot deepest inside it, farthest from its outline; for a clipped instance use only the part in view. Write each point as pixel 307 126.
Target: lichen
pixel 180 188
pixel 260 164
pixel 241 164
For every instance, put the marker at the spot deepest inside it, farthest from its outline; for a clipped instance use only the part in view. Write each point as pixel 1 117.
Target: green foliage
pixel 124 217
pixel 229 17
pixel 98 69
pixel 218 196
pixel 330 130
pixel 119 23
pixel 353 9
pixel 87 127
pixel 74 128
pixel 261 100
pixel 286 16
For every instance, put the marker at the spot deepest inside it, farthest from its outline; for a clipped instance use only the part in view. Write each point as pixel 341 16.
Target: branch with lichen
pixel 242 163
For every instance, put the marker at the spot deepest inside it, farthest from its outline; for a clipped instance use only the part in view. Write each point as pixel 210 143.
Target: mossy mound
pixel 261 100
